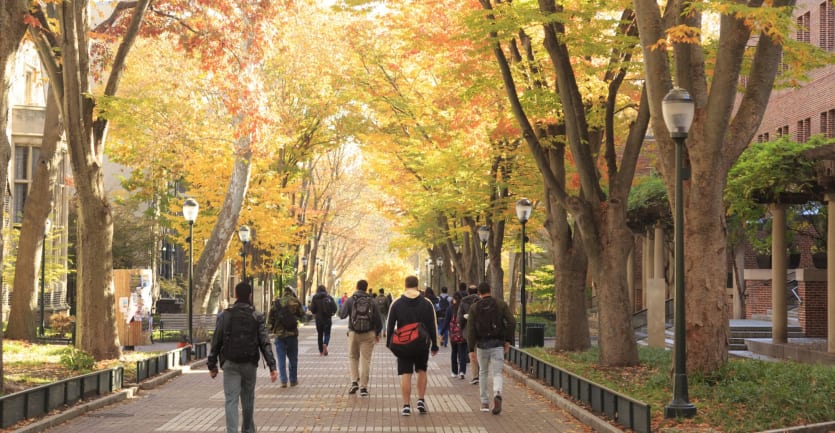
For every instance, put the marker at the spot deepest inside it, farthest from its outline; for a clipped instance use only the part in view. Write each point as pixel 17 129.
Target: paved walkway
pixel 193 402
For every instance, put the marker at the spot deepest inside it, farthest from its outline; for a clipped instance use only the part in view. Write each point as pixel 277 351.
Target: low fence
pixel 626 411
pixel 152 366
pixel 41 400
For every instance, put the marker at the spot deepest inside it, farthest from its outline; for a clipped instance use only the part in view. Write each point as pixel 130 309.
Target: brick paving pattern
pixel 193 402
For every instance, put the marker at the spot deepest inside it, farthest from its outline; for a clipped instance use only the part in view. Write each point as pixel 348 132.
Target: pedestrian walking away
pixel 459 355
pixel 469 298
pixel 240 335
pixel 412 335
pixel 443 306
pixel 285 314
pixel 364 328
pixel 490 333
pixel 323 307
pixel 383 303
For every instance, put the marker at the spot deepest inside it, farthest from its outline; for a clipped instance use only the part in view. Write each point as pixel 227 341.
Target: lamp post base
pixel 679 409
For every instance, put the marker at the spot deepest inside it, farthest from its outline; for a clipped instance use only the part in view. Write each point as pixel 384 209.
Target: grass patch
pixel 744 395
pixel 27 365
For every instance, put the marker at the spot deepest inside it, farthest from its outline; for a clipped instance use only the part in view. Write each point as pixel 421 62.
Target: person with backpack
pixel 458 344
pixel 490 333
pixel 364 328
pixel 412 334
pixel 240 334
pixel 323 307
pixel 469 298
pixel 443 307
pixel 284 324
pixel 383 303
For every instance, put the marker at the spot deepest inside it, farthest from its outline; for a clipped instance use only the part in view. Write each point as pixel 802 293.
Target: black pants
pixel 323 331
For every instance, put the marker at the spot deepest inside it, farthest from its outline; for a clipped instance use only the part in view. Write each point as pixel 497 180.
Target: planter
pixel 764 261
pixel 819 260
pixel 792 261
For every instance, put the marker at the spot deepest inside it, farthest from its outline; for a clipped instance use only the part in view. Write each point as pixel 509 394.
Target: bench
pixel 179 322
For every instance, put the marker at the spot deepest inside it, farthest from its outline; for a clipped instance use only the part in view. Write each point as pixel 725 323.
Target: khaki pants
pixel 360 348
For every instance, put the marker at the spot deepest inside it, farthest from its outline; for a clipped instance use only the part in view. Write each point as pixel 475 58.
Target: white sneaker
pixel 453 375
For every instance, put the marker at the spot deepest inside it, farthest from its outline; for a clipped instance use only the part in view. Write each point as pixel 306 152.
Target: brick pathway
pixel 193 402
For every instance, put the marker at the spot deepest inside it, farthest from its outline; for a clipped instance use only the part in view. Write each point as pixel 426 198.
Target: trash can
pixel 535 335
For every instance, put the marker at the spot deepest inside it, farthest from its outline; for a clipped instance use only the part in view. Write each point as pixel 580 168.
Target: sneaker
pixel 497 404
pixel 474 381
pixel 354 388
pixel 453 375
pixel 325 349
pixel 293 383
pixel 363 392
pixel 284 384
pixel 421 405
pixel 461 376
pixel 485 407
pixel 406 411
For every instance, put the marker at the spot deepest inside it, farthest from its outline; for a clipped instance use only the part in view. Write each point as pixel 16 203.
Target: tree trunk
pixel 225 228
pixel 24 309
pixel 706 309
pixel 570 271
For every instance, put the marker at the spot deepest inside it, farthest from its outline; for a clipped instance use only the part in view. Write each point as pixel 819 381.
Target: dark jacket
pixel 474 340
pixel 317 305
pixel 263 339
pixel 345 311
pixel 292 302
pixel 410 309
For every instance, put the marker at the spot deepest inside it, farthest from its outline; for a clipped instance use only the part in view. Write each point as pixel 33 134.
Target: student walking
pixel 412 319
pixel 323 307
pixel 284 323
pixel 383 303
pixel 364 328
pixel 469 298
pixel 240 334
pixel 442 307
pixel 459 355
pixel 490 333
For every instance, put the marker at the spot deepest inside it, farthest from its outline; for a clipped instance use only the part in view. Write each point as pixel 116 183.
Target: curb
pixel 588 418
pixel 125 393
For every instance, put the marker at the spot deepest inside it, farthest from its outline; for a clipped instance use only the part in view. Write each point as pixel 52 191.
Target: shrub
pixel 77 360
pixel 61 323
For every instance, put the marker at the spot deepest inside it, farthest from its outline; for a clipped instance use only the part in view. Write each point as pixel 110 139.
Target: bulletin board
pixel 133 306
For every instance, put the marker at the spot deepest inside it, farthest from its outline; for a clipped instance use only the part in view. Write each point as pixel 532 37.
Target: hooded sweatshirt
pixel 412 307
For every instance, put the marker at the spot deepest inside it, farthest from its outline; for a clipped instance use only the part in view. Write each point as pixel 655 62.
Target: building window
pixel 804 130
pixel 25 158
pixel 803 22
pixel 828 123
pixel 783 131
pixel 827 26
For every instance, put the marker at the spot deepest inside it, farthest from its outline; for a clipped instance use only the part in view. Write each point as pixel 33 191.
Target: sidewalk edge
pixel 598 424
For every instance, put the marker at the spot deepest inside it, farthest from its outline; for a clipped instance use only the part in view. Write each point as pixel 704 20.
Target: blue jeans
pixel 323 331
pixel 287 348
pixel 490 362
pixel 239 384
pixel 445 334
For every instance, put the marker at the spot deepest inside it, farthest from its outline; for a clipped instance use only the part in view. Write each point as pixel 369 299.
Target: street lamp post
pixel 440 263
pixel 46 228
pixel 678 110
pixel 304 276
pixel 431 265
pixel 244 235
pixel 190 210
pixel 523 213
pixel 483 236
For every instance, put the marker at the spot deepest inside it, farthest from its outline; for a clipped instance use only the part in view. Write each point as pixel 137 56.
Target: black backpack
pixel 489 323
pixel 382 305
pixel 281 315
pixel 328 306
pixel 464 308
pixel 443 305
pixel 362 309
pixel 240 335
